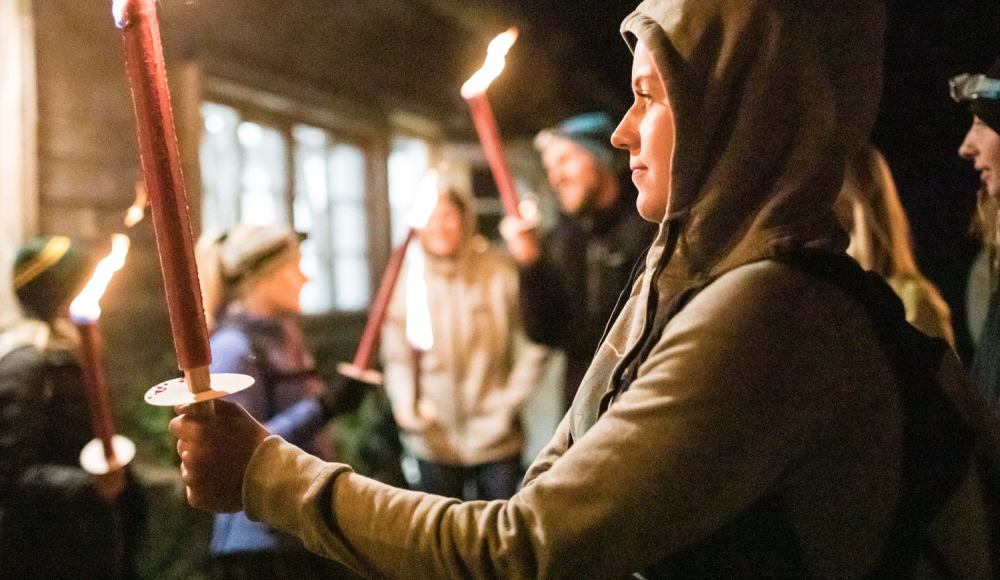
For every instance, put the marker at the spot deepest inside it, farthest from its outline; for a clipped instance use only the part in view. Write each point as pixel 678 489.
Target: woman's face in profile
pixel 647 133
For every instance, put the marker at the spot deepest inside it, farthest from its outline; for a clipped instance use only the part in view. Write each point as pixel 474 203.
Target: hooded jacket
pixel 764 409
pixel 480 369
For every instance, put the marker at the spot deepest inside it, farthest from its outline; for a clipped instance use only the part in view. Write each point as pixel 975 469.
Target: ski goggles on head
pixel 968 87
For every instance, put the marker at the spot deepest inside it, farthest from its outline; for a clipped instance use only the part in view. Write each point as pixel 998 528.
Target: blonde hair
pixel 215 293
pixel 984 226
pixel 880 240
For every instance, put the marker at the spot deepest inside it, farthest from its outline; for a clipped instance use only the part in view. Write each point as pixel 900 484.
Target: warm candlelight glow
pixel 427 198
pixel 493 66
pixel 85 308
pixel 418 315
pixel 118 11
pixel 138 209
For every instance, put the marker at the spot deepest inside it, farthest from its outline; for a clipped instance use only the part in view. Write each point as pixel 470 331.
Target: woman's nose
pixel 623 138
pixel 967 149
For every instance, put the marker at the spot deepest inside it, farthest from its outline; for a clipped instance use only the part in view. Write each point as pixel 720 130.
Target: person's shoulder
pixel 230 341
pixel 769 291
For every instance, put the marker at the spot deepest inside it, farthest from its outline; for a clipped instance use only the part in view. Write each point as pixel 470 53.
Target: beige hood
pixel 770 98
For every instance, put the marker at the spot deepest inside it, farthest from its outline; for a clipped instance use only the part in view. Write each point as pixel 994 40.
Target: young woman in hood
pixel 740 419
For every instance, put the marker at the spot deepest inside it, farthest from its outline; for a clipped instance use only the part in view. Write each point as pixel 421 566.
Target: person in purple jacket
pixel 251 281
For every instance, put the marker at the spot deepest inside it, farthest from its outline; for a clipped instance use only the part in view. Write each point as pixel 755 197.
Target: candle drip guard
pixel 177 392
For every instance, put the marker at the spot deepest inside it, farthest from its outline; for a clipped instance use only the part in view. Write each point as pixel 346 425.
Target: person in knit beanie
pixel 251 282
pixel 48 274
pixel 982 147
pixel 571 276
pixel 56 520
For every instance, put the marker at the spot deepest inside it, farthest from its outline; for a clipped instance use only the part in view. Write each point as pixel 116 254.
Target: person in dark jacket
pixel 56 520
pixel 571 279
pixel 251 281
pixel 982 147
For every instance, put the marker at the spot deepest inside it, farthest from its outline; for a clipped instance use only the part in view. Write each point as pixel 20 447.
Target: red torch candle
pixel 165 185
pixel 418 357
pixel 97 390
pixel 364 358
pixel 474 92
pixel 419 332
pixel 85 311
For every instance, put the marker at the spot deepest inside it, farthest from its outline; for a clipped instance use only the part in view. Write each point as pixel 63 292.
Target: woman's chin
pixel 650 210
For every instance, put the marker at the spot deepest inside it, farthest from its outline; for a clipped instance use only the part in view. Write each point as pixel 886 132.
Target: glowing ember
pixel 118 11
pixel 493 66
pixel 418 315
pixel 85 308
pixel 138 209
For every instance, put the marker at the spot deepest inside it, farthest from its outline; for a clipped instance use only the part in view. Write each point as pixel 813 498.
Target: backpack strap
pixel 938 445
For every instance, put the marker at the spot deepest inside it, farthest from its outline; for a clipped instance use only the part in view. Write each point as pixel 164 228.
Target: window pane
pixel 349 232
pixel 316 294
pixel 408 162
pixel 311 208
pixel 219 155
pixel 347 174
pixel 263 175
pixel 351 277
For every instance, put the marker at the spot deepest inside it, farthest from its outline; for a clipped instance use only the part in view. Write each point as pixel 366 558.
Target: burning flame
pixel 427 198
pixel 118 11
pixel 138 209
pixel 418 315
pixel 492 67
pixel 84 308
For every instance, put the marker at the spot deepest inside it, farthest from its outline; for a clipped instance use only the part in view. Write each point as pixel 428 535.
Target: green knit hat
pixel 49 273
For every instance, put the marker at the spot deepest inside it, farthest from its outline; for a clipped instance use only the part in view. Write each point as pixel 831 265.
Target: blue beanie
pixel 592 132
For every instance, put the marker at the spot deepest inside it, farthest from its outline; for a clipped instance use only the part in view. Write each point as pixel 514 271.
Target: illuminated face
pixel 982 147
pixel 574 174
pixel 647 132
pixel 444 232
pixel 281 289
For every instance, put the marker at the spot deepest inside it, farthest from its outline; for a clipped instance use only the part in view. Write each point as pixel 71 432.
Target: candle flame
pixel 85 308
pixel 493 66
pixel 418 315
pixel 118 11
pixel 138 209
pixel 427 198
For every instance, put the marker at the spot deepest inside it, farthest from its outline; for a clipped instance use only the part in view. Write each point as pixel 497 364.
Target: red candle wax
pixel 161 168
pixel 418 357
pixel 94 380
pixel 489 137
pixel 376 317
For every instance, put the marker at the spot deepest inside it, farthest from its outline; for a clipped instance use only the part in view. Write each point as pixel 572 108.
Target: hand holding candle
pixel 474 92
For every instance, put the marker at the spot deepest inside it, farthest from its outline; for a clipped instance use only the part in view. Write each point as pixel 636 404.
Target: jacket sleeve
pixel 678 455
pixel 23 475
